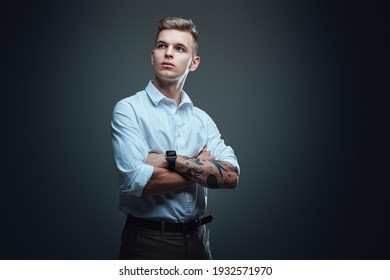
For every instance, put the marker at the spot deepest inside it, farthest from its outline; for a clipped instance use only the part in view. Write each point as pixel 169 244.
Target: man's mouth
pixel 167 64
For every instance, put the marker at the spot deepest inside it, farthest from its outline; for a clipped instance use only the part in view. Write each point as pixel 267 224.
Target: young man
pixel 167 153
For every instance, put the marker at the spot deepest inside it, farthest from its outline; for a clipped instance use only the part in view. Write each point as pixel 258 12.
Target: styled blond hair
pixel 179 24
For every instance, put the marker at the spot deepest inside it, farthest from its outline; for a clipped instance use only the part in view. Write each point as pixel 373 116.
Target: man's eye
pixel 180 49
pixel 161 46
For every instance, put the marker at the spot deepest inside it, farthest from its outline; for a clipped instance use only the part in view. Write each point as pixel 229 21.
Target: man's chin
pixel 169 78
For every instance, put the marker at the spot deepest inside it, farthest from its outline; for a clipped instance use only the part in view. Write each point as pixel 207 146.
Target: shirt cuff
pixel 141 178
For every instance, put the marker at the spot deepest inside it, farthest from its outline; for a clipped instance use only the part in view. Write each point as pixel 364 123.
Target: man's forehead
pixel 173 36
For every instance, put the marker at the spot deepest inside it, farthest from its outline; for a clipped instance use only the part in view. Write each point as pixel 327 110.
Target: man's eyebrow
pixel 181 45
pixel 176 44
pixel 160 42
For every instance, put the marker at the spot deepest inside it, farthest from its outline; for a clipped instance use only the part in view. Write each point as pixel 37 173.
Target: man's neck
pixel 171 90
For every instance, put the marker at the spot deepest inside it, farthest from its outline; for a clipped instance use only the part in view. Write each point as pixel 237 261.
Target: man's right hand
pixel 204 154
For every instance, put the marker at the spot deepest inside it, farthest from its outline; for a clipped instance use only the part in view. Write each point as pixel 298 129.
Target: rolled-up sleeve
pixel 217 147
pixel 130 150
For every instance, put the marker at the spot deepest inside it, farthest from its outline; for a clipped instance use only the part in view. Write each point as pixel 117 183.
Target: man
pixel 167 153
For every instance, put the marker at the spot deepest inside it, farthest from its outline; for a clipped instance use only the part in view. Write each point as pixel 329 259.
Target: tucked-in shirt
pixel 150 122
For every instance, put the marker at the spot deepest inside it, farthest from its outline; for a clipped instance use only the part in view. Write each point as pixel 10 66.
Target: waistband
pixel 169 226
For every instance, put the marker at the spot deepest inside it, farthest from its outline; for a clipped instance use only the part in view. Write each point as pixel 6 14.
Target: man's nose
pixel 169 52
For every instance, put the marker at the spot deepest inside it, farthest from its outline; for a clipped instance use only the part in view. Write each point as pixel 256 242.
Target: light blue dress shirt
pixel 150 122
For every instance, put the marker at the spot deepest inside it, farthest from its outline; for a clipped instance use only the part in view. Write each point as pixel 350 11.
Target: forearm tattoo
pixel 212 182
pixel 212 174
pixel 219 166
pixel 198 162
pixel 192 172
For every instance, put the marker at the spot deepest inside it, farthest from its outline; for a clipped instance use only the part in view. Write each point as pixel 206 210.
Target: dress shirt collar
pixel 156 96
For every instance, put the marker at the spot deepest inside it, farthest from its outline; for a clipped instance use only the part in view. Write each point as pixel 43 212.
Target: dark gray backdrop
pixel 297 89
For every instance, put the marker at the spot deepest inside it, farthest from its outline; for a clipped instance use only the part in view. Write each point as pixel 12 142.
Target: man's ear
pixel 194 63
pixel 152 57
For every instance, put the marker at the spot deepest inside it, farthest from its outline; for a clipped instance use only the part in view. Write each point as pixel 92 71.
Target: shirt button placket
pixel 179 137
pixel 179 133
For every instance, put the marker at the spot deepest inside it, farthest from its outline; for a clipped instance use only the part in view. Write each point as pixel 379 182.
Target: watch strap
pixel 171 158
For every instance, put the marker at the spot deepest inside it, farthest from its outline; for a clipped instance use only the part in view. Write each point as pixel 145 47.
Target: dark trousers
pixel 139 243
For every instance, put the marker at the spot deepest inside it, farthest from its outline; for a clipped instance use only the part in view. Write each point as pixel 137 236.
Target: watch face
pixel 171 153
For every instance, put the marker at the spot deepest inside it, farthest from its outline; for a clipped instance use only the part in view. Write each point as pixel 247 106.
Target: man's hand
pixel 205 155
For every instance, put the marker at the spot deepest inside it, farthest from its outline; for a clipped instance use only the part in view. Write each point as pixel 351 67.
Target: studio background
pixel 298 89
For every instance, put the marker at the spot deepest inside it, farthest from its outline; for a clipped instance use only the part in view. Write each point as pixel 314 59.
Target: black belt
pixel 169 226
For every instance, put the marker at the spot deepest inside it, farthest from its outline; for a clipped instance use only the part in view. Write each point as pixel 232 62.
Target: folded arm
pixel 214 174
pixel 203 169
pixel 163 181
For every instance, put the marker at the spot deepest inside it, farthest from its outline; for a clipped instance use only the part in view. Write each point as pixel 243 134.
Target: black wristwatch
pixel 171 158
